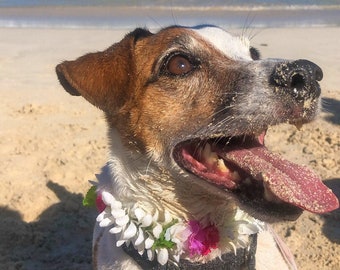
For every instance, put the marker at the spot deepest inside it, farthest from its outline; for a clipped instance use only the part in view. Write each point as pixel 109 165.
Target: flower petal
pixel 139 213
pixel 149 243
pixel 157 230
pixel 146 221
pixel 140 237
pixel 101 216
pixel 167 234
pixel 107 198
pixel 163 256
pixel 120 242
pixel 116 204
pixel 106 222
pixel 115 230
pixel 151 254
pixel 130 231
pixel 121 221
pixel 141 250
pixel 117 213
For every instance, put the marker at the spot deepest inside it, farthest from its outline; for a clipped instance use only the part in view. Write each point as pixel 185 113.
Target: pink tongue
pixel 290 182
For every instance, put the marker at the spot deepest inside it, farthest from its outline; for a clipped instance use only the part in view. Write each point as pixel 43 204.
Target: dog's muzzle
pixel 230 151
pixel 299 78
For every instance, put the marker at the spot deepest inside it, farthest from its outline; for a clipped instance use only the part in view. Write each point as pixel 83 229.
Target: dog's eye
pixel 178 65
pixel 254 53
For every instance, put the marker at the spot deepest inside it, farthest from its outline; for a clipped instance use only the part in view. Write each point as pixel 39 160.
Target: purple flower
pixel 202 240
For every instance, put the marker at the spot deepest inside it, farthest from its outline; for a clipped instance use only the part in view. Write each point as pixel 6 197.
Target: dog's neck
pixel 140 177
pixel 130 179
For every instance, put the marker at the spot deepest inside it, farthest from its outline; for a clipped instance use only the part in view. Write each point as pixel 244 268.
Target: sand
pixel 51 144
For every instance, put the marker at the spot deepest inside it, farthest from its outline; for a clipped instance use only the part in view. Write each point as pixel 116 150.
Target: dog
pixel 189 183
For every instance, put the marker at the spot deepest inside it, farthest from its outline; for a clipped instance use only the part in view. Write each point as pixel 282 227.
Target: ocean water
pixel 160 13
pixel 178 3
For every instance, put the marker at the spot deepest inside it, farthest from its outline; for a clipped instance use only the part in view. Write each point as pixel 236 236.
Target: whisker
pixel 148 166
pixel 155 21
pixel 245 25
pixel 255 33
pixel 172 14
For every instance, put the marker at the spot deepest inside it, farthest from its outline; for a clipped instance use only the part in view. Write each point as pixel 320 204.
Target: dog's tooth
pixel 221 165
pixel 213 159
pixel 236 176
pixel 206 150
pixel 209 157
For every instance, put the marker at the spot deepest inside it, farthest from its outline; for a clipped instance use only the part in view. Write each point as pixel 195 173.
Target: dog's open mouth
pixel 244 166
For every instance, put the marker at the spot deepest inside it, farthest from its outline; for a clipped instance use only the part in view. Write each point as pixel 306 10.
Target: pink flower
pixel 202 240
pixel 99 203
pixel 212 237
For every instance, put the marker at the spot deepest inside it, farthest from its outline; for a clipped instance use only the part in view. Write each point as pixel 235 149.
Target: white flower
pixel 107 198
pixel 115 230
pixel 178 234
pixel 140 237
pixel 120 242
pixel 161 236
pixel 149 242
pixel 106 222
pixel 151 254
pixel 140 248
pixel 167 217
pixel 122 221
pixel 157 230
pixel 130 231
pixel 143 229
pixel 117 212
pixel 167 235
pixel 139 213
pixel 146 221
pixel 162 256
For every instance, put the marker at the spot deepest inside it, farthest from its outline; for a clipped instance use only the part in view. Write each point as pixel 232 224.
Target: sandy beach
pixel 51 144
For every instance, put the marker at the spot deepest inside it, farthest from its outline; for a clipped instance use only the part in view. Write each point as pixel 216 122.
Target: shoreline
pixel 118 17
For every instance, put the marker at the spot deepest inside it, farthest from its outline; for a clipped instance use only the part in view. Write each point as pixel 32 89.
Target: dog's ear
pixel 101 77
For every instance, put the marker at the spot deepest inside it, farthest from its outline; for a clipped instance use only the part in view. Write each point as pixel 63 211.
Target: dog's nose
pixel 299 78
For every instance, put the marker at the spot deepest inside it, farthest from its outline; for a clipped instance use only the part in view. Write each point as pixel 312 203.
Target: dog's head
pixel 197 102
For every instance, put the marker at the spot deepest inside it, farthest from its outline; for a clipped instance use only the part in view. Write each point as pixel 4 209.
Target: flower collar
pixel 165 237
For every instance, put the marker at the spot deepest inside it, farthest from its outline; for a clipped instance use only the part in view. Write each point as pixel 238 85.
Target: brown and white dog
pixel 189 183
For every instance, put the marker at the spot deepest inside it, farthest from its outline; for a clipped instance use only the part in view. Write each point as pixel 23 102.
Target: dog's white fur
pixel 235 47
